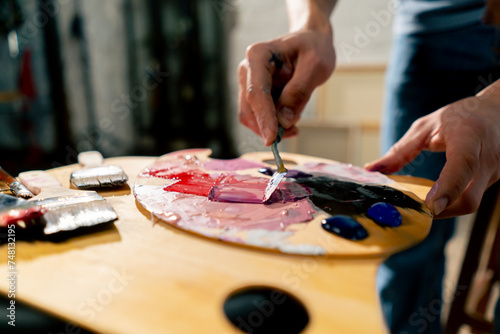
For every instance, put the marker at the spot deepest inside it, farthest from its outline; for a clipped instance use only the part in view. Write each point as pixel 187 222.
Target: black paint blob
pixel 338 197
pixel 345 227
pixel 292 173
pixel 266 310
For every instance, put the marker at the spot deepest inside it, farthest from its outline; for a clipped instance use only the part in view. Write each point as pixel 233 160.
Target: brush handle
pixel 45 185
pixel 17 188
pixel 38 180
pixel 90 159
pixel 67 209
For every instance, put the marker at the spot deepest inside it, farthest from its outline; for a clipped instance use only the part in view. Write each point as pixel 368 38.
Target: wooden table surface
pixel 140 277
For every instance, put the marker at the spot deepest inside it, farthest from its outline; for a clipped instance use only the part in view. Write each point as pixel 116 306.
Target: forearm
pixel 314 14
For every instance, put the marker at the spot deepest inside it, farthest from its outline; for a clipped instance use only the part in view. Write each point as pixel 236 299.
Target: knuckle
pixel 242 67
pixel 420 124
pixel 254 49
pixel 251 94
pixel 255 96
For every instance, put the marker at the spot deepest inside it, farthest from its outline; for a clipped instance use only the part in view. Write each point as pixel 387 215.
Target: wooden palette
pixel 137 277
pixel 304 238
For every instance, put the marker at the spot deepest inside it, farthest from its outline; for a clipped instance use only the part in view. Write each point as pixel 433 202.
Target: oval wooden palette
pixel 304 238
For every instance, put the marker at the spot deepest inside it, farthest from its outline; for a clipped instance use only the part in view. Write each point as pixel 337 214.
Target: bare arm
pixel 287 68
pixel 315 14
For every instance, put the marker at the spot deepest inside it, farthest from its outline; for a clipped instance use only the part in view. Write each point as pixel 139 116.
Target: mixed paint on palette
pixel 224 199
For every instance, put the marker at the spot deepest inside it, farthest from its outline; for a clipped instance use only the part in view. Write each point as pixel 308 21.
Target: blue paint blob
pixel 345 227
pixel 385 214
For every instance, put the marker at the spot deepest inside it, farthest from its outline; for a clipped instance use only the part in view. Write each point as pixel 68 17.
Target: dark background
pixel 170 61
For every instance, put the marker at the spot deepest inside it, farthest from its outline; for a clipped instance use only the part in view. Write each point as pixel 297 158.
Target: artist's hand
pixel 288 67
pixel 469 132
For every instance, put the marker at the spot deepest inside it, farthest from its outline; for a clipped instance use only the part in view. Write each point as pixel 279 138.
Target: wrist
pixel 310 15
pixel 320 23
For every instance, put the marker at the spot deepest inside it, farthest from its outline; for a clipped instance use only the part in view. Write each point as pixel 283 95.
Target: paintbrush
pixel 95 174
pixel 66 209
pixel 281 170
pixel 18 211
pixel 16 187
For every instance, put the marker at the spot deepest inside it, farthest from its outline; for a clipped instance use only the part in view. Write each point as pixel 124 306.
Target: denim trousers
pixel 427 71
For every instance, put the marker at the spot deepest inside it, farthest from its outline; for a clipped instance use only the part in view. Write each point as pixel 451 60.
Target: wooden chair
pixel 479 273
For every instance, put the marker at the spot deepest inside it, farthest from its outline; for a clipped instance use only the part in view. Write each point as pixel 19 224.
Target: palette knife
pixel 280 172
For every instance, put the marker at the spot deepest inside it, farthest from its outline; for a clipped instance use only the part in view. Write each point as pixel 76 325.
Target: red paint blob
pixel 193 182
pixel 26 215
pixel 226 187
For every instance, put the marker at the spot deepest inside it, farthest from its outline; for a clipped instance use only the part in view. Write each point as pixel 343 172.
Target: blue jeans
pixel 427 72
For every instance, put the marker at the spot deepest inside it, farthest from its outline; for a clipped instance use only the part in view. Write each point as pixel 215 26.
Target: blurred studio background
pixel 135 77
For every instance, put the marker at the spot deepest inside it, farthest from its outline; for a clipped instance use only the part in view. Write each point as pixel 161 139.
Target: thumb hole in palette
pixel 263 310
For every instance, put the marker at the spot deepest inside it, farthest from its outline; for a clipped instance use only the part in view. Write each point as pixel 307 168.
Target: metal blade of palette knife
pixel 280 172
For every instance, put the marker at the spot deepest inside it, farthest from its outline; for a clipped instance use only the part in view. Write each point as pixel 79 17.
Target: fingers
pixel 288 117
pixel 470 138
pixel 468 201
pixel 292 132
pixel 245 114
pixel 462 165
pixel 288 68
pixel 259 84
pixel 310 71
pixel 405 150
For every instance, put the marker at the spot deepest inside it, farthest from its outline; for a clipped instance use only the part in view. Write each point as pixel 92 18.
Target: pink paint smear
pixel 196 198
